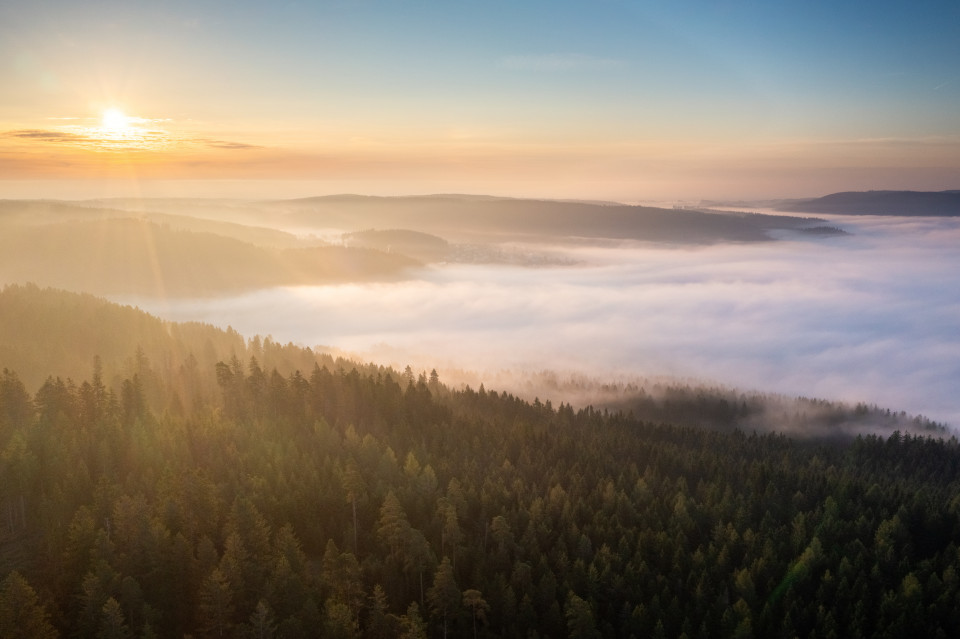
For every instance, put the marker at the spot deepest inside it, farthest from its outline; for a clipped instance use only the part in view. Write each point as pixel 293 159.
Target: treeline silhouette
pixel 339 499
pixel 909 203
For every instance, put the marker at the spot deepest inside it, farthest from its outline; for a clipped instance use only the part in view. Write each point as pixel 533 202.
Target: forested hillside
pixel 466 216
pixel 909 203
pixel 480 218
pixel 217 487
pixel 106 251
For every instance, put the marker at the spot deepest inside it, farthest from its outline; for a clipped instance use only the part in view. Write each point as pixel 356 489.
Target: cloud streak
pixel 132 138
pixel 129 138
pixel 48 136
pixel 871 317
pixel 220 144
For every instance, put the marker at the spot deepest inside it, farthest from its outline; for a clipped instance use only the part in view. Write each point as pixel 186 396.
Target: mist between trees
pixel 280 492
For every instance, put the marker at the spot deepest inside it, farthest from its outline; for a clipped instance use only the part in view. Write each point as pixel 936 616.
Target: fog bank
pixel 869 317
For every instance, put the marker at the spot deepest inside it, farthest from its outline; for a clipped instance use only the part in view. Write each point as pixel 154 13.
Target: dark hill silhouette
pixel 457 216
pixel 909 203
pixel 422 246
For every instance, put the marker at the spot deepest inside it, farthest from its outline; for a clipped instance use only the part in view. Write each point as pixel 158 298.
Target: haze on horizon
pixel 623 101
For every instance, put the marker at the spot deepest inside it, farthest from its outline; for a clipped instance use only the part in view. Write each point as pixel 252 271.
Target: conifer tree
pixel 580 621
pixel 444 595
pixel 412 623
pixel 216 605
pixel 21 614
pixel 473 599
pixel 113 625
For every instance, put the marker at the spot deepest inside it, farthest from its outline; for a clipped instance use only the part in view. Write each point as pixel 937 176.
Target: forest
pixel 477 218
pixel 200 248
pixel 907 203
pixel 182 480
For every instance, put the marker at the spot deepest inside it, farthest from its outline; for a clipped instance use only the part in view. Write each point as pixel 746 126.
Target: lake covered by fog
pixel 873 316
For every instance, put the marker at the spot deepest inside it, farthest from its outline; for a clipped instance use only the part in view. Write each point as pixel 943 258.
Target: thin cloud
pixel 220 144
pixel 558 62
pixel 132 138
pixel 41 134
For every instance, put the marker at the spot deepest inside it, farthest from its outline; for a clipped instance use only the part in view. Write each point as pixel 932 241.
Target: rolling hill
pixel 906 203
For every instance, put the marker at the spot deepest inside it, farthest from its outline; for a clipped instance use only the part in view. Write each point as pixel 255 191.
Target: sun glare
pixel 114 120
pixel 117 131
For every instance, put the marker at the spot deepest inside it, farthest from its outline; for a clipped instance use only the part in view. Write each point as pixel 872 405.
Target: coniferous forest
pixel 205 485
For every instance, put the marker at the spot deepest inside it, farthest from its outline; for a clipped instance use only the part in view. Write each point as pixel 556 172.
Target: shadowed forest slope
pixel 459 216
pixel 339 499
pixel 907 203
pixel 483 218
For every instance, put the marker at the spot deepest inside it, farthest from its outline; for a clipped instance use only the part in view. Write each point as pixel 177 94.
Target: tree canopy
pixel 343 499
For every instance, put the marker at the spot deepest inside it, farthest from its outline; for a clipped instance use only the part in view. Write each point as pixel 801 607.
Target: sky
pixel 607 99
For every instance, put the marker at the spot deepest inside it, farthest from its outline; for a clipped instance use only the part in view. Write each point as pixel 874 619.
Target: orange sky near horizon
pixel 612 101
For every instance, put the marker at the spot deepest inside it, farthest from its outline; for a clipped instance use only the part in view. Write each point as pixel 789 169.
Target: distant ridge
pixel 912 203
pixel 468 217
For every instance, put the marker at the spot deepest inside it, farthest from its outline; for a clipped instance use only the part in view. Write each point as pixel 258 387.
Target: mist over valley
pixel 864 313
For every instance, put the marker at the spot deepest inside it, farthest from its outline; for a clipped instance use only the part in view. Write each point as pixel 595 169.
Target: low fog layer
pixel 868 317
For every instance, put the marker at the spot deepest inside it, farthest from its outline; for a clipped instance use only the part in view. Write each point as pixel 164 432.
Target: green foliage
pixel 112 622
pixel 580 621
pixel 412 624
pixel 215 605
pixel 288 502
pixel 444 594
pixel 21 614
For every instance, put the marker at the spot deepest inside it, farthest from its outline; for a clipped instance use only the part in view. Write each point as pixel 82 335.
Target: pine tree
pixel 394 527
pixel 473 599
pixel 354 487
pixel 262 625
pixel 444 595
pixel 21 615
pixel 113 625
pixel 378 620
pixel 412 623
pixel 580 621
pixel 216 605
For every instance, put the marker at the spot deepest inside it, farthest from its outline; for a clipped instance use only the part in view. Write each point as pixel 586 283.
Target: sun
pixel 117 131
pixel 114 120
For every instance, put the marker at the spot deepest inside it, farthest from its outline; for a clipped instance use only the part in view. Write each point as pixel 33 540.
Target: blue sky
pixel 624 100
